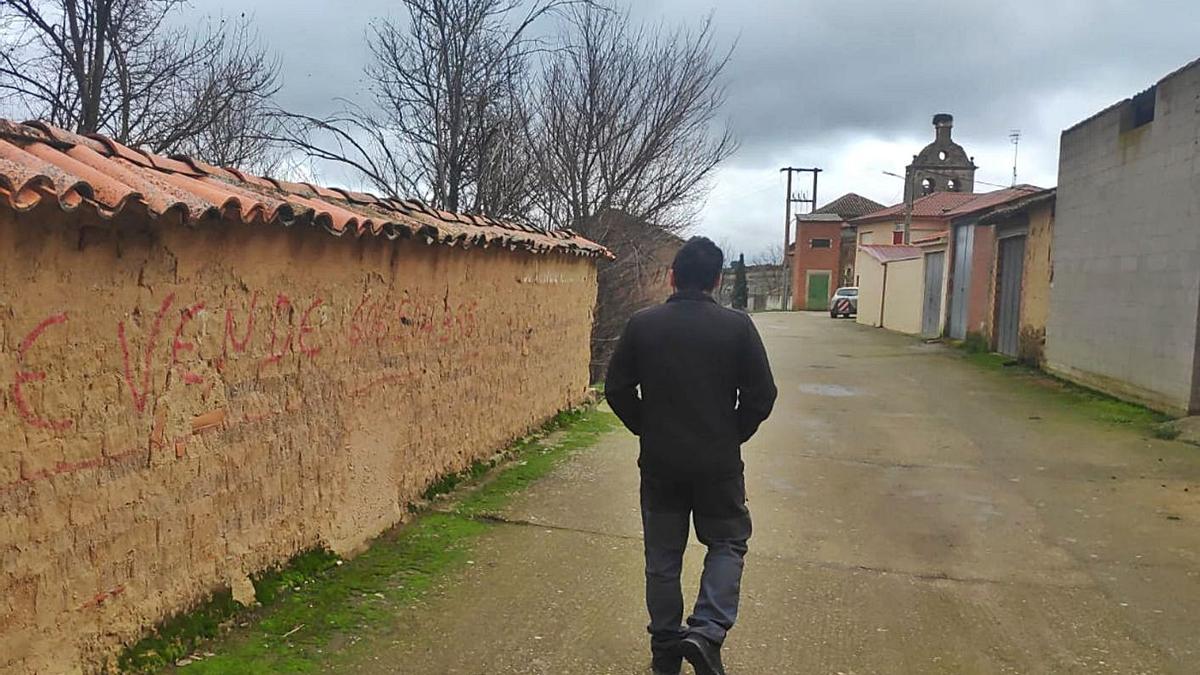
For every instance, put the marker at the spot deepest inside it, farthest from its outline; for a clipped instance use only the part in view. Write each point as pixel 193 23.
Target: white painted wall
pixel 870 289
pixel 905 288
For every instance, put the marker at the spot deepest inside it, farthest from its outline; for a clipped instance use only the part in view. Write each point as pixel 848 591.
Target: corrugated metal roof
pixel 938 238
pixel 39 162
pixel 888 253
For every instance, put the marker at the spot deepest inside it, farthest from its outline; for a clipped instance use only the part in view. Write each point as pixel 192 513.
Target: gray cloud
pixel 848 85
pixel 808 69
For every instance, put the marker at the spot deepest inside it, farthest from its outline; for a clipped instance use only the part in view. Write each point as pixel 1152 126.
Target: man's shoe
pixel 666 664
pixel 704 656
pixel 673 668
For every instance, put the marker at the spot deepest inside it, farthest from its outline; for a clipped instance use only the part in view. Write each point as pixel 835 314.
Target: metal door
pixel 931 314
pixel 960 280
pixel 1008 296
pixel 818 290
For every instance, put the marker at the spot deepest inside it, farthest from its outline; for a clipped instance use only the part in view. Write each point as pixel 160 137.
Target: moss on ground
pixel 1091 404
pixel 318 605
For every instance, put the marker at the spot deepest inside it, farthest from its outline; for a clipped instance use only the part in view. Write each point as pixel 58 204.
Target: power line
pixel 981 182
pixel 787 221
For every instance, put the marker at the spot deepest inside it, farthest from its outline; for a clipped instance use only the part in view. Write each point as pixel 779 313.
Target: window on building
pixel 927 186
pixel 820 243
pixel 952 185
pixel 898 237
pixel 942 155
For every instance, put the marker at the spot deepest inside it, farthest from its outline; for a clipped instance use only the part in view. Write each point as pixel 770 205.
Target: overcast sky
pixel 846 85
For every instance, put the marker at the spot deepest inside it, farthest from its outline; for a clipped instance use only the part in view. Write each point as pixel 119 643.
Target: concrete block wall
pixel 183 407
pixel 1123 306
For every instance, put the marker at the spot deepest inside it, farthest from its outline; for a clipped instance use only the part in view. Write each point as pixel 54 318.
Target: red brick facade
pixel 818 249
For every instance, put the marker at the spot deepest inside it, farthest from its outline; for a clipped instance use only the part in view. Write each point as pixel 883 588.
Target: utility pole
pixel 909 188
pixel 787 224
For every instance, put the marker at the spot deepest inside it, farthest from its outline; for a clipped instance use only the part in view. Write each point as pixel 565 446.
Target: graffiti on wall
pixel 264 331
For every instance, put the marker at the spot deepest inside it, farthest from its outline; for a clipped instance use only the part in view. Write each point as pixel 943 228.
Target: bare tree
pixel 448 117
pixel 771 255
pixel 628 120
pixel 118 67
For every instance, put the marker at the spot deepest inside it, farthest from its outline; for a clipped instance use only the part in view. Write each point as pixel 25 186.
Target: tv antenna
pixel 1015 137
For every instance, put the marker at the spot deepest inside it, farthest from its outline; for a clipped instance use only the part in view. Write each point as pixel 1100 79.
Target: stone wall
pixel 185 406
pixel 1123 305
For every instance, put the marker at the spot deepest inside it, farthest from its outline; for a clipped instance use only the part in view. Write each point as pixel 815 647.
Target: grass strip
pixel 1094 405
pixel 317 605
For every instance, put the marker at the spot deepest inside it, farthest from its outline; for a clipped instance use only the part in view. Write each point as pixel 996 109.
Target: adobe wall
pixel 184 406
pixel 1035 284
pixel 1126 245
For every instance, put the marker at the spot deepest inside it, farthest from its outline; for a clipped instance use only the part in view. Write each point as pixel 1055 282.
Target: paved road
pixel 913 514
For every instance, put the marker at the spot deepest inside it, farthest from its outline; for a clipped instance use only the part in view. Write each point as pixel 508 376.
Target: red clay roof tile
pixel 39 161
pixel 951 204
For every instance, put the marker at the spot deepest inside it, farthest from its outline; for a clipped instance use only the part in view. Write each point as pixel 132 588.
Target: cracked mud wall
pixel 183 406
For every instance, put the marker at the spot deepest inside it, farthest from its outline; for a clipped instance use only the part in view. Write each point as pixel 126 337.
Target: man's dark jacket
pixel 705 386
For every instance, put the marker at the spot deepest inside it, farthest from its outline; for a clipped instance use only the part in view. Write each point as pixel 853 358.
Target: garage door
pixel 1008 297
pixel 931 312
pixel 964 240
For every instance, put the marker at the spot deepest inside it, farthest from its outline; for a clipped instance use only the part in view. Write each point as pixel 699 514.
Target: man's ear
pixel 671 277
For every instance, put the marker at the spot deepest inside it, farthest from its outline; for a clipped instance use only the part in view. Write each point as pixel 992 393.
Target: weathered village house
pixel 940 282
pixel 1125 304
pixel 207 372
pixel 1019 276
pixel 970 264
pixel 823 255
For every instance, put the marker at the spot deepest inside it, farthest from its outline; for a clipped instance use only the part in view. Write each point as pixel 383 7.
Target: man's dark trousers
pixel 718 509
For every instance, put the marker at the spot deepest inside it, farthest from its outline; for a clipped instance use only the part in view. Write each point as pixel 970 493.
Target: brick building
pixel 823 255
pixel 208 372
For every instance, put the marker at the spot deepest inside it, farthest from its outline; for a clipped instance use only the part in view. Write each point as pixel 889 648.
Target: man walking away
pixel 691 380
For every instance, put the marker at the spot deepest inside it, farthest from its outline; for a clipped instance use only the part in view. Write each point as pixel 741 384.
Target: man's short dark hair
pixel 698 265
